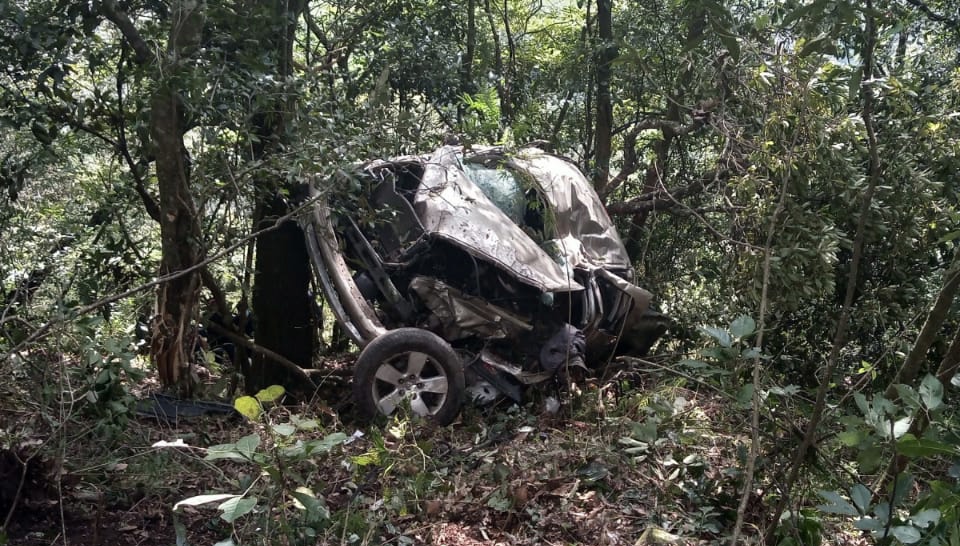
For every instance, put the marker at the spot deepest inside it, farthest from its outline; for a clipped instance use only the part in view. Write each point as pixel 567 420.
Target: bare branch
pixel 141 49
pixel 283 361
pixel 663 198
pixel 933 16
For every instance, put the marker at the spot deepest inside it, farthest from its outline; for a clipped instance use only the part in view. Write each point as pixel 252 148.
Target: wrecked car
pixel 473 272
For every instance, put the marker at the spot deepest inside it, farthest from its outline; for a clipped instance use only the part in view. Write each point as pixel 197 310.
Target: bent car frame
pixel 474 271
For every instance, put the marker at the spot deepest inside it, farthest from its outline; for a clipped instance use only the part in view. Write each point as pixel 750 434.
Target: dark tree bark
pixel 281 300
pixel 503 90
pixel 603 134
pixel 466 66
pixel 173 337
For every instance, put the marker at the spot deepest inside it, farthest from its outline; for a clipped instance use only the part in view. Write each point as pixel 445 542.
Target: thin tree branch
pixel 928 334
pixel 755 406
pixel 284 362
pixel 663 199
pixel 149 203
pixel 142 52
pixel 934 16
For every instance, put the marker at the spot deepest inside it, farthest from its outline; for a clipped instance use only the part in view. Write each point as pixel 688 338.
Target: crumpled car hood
pixel 453 208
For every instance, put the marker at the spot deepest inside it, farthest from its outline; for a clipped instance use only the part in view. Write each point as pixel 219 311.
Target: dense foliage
pixel 783 174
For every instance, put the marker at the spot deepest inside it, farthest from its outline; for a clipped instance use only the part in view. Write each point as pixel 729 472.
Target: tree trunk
pixel 603 135
pixel 281 297
pixel 466 65
pixel 174 334
pixel 280 301
pixel 917 357
pixel 503 93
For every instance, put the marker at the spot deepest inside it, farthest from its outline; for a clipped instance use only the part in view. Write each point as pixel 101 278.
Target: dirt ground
pixel 608 470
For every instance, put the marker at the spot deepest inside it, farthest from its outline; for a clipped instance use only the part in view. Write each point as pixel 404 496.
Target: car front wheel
pixel 409 367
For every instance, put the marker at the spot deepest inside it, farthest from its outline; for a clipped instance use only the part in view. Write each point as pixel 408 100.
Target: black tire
pixel 413 366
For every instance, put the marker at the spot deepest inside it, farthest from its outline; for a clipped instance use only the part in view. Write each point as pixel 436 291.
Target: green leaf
pixel 696 364
pixel 814 45
pixel 742 327
pixel 305 424
pixel 224 451
pixel 285 429
pixel 719 334
pixel 365 459
pixel 236 507
pixel 909 395
pixel 204 499
pixel 248 445
pixel 902 487
pixel 306 500
pixel 926 518
pixel 869 458
pixel 931 391
pixel 906 534
pixel 730 42
pixel 180 530
pixel 911 446
pixel 836 504
pixel 645 432
pixel 869 524
pixel 326 444
pixel 850 438
pixel 861 496
pixel 745 396
pixel 798 14
pixel 862 403
pixel 270 394
pixel 750 353
pixel 249 407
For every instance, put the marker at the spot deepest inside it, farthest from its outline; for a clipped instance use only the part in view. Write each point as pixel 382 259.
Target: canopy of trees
pixel 783 174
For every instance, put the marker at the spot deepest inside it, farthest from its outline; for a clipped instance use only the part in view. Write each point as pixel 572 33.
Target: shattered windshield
pixel 502 187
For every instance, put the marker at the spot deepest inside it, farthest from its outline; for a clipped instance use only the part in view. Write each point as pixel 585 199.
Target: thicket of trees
pixel 790 161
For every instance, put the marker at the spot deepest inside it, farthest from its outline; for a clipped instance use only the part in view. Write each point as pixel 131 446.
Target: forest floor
pixel 637 459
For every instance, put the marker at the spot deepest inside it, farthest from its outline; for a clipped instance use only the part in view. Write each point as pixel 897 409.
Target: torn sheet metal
pixel 582 223
pixel 462 316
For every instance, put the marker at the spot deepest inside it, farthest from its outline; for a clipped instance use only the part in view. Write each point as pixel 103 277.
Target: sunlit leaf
pixel 270 394
pixel 742 326
pixel 249 407
pixel 931 391
pixel 906 534
pixel 284 429
pixel 926 518
pixel 236 508
pixel 204 499
pixel 719 334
